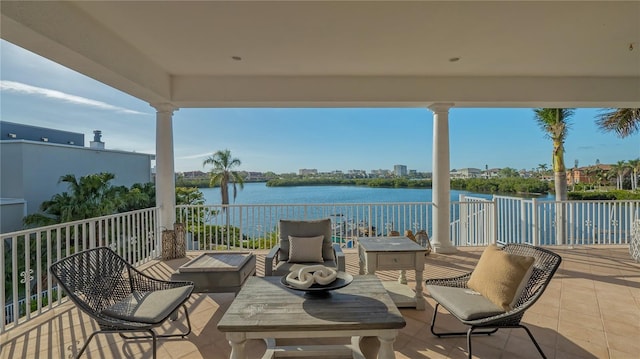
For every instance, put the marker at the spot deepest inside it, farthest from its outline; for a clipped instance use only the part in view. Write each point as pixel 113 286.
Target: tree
pixel 223 175
pixel 139 196
pixel 622 121
pixel 508 172
pixel 619 170
pixel 635 168
pixel 542 168
pixel 555 123
pixel 89 196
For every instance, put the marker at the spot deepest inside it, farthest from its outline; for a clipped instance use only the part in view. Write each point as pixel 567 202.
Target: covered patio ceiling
pixel 343 54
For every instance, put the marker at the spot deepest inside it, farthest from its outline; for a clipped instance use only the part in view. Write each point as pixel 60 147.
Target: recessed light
pixel 454 59
pixel 237 58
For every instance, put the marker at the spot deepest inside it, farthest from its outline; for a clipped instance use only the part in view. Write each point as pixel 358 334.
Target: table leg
pixel 386 345
pixel 420 301
pixel 402 279
pixel 361 260
pixel 237 341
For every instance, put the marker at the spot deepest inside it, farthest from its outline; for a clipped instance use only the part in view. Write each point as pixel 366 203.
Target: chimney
pixel 97 143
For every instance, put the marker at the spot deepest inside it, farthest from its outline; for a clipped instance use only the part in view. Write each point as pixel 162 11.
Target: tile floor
pixel 590 310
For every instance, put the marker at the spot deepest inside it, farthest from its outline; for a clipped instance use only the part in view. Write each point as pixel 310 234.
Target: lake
pixel 259 193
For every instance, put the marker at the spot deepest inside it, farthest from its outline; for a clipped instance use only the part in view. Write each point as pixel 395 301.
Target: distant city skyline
pixel 39 92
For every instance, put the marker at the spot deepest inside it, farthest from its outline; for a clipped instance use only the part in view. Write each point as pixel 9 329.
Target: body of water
pixel 259 193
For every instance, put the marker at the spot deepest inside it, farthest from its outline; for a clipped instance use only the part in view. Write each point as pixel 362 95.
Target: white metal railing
pixel 473 222
pixel 9 310
pixel 255 226
pixel 581 222
pixel 26 255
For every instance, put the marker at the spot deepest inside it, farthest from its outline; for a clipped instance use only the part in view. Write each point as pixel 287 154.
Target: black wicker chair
pixel 545 265
pixel 118 296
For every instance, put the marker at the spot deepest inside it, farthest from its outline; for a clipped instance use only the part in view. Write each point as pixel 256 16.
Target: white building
pixel 307 172
pixel 400 170
pixel 466 173
pixel 30 172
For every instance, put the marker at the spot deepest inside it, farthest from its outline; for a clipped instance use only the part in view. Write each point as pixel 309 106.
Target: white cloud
pixel 199 155
pixel 18 87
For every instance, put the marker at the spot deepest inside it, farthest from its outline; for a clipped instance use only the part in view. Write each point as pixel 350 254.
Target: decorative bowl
pixel 316 290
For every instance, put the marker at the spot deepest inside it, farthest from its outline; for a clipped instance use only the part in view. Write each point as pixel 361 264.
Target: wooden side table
pixel 395 253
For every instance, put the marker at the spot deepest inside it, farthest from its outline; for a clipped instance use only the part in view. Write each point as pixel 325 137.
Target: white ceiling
pixel 344 53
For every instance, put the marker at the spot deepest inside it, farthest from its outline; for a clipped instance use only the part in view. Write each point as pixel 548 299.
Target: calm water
pixel 259 193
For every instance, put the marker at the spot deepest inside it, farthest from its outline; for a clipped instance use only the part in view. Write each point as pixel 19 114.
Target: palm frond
pixel 622 121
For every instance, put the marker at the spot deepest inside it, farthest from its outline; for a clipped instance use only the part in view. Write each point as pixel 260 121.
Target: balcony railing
pixel 26 255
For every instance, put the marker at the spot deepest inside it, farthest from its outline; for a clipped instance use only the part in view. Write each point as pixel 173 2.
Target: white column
pixel 441 186
pixel 165 173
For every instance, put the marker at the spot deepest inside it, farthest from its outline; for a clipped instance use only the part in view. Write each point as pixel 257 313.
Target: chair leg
pixel 533 340
pixel 87 343
pixel 469 343
pixel 452 334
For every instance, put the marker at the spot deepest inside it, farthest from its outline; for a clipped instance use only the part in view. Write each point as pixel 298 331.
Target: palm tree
pixel 623 121
pixel 89 196
pixel 619 171
pixel 635 168
pixel 589 173
pixel 542 168
pixel 223 175
pixel 555 123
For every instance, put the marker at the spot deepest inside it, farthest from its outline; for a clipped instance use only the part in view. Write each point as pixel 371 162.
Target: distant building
pixel 307 172
pixel 255 177
pixel 400 170
pixel 380 173
pixel 30 169
pixel 588 174
pixel 194 174
pixel 466 173
pixel 357 173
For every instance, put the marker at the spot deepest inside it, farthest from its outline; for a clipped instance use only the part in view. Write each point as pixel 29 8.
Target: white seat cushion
pixel 149 307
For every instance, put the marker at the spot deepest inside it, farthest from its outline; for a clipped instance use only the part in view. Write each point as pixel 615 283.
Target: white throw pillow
pixel 305 249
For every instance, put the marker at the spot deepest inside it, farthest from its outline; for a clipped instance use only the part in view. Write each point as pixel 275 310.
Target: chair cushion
pixel 500 276
pixel 312 228
pixel 463 303
pixel 305 249
pixel 149 307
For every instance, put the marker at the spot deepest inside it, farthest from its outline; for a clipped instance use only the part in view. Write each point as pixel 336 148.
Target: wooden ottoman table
pixel 218 272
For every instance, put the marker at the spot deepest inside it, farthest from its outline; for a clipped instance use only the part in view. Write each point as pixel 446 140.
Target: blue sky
pixel 39 92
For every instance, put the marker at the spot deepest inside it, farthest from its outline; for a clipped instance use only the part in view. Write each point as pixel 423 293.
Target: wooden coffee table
pixel 218 272
pixel 265 309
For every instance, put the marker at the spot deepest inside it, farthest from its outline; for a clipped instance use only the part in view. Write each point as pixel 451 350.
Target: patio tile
pixel 581 348
pixel 591 309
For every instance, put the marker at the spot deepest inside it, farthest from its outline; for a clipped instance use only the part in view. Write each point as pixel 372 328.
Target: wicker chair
pixel 277 261
pixel 545 265
pixel 119 297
